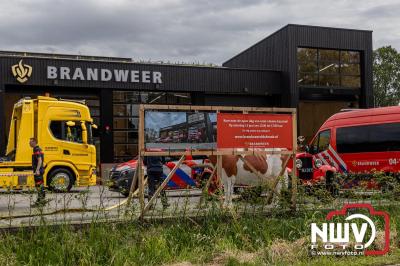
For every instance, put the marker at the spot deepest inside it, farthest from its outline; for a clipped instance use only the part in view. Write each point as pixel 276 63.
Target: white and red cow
pixel 236 172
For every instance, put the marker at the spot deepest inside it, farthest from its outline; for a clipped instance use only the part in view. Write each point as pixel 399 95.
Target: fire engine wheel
pixel 60 180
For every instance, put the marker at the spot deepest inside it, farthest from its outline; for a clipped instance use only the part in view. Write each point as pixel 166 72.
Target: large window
pixel 126 118
pixel 321 142
pixel 61 130
pixel 328 68
pixel 371 138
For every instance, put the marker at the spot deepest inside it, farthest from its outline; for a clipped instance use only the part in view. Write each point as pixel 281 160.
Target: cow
pixel 235 171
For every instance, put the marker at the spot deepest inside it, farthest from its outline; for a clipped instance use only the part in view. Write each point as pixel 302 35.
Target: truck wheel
pixel 60 180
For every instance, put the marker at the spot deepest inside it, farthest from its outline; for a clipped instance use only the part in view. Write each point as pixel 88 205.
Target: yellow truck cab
pixel 64 132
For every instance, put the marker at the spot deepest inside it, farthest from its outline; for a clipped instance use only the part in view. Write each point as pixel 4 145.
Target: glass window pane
pixel 126 96
pixel 329 55
pixel 350 57
pixel 93 103
pixel 61 130
pixel 178 98
pixel 328 80
pixel 351 81
pixel 350 69
pixel 370 138
pixel 310 67
pixel 324 140
pixel 126 109
pixel 126 123
pixel 306 54
pixel 129 150
pixel 307 79
pixel 153 97
pixel 125 137
pixel 94 111
pixel 328 68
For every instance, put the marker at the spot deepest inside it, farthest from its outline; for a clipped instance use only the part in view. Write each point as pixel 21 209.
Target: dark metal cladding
pixel 174 77
pixel 279 52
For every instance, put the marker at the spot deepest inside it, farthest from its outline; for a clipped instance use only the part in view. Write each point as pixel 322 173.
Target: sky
pixel 179 31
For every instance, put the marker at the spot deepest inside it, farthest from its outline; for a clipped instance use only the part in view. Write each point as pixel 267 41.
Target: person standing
pixel 154 166
pixel 38 170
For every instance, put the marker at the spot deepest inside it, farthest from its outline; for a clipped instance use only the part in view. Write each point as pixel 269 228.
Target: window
pixel 61 131
pixel 328 68
pixel 321 142
pixel 370 138
pixel 126 117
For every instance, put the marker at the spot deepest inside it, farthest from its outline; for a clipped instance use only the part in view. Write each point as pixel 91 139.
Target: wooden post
pixel 205 189
pixel 134 181
pixel 163 184
pixel 141 183
pixel 294 169
pixel 140 159
pixel 219 169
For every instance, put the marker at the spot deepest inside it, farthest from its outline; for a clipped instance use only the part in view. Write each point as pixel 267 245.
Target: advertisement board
pixel 180 130
pixel 251 131
pixel 207 130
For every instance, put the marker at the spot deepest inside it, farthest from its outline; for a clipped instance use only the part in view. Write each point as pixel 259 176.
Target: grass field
pixel 280 239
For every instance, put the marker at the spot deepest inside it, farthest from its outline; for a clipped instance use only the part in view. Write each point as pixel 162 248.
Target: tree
pixel 386 79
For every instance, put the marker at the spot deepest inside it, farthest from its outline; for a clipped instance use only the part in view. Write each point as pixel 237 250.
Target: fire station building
pixel 317 70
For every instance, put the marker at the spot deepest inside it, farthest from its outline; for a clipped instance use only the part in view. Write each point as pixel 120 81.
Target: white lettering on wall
pixel 121 75
pixel 146 76
pixel 157 77
pixel 51 72
pixel 78 74
pixel 135 76
pixel 92 74
pixel 64 73
pixel 106 75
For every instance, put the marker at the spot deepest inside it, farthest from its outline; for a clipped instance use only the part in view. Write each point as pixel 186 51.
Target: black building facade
pixel 323 69
pixel 298 66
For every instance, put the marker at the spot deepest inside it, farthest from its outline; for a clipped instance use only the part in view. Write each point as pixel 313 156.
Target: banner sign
pixel 254 131
pixel 207 130
pixel 179 130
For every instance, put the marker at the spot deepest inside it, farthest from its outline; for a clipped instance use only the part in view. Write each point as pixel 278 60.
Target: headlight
pixel 299 163
pixel 318 163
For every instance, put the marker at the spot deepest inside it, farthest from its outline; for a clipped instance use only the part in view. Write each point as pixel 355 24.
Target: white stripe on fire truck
pixel 342 163
pixel 319 155
pixel 331 159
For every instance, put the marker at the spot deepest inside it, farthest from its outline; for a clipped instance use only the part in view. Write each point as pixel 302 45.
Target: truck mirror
pixel 94 126
pixel 70 123
pixel 84 133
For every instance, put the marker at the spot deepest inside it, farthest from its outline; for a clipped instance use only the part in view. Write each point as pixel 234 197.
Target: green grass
pixel 217 239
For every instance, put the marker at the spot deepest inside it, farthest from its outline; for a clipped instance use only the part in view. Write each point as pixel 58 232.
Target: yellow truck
pixel 64 132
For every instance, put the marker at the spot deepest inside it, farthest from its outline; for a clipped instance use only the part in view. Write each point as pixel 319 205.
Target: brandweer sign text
pixel 103 74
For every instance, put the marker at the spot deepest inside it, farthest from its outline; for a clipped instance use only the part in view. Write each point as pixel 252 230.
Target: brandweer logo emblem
pixel 333 238
pixel 21 71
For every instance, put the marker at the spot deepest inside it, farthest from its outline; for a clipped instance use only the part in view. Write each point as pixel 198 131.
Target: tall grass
pixel 217 239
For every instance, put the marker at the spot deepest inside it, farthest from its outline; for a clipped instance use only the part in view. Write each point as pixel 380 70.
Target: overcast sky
pixel 179 30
